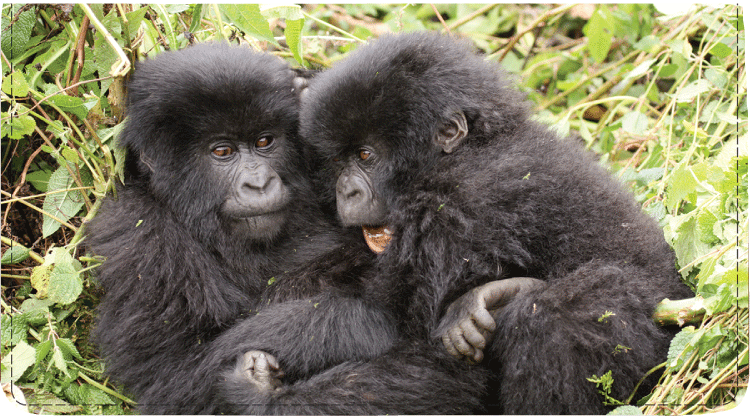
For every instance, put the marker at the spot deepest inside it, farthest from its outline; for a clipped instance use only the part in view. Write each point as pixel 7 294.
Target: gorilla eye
pixel 264 141
pixel 364 154
pixel 222 151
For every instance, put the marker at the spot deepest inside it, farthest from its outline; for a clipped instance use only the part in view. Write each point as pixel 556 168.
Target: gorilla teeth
pixel 377 238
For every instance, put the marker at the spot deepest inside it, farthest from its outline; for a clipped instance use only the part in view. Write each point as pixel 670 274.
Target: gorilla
pixel 430 150
pixel 215 205
pixel 216 248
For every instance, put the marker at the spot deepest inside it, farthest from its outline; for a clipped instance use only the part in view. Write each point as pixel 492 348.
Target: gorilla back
pixel 215 201
pixel 428 139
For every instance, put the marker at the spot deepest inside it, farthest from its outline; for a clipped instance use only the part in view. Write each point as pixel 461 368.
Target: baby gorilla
pixel 431 148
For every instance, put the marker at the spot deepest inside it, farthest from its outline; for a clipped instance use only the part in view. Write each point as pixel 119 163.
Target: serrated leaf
pixel 48 403
pixel 70 104
pixel 681 184
pixel 59 361
pixel 15 254
pixel 135 18
pixel 17 362
pixel 63 205
pixel 68 348
pixel 677 347
pixel 42 350
pixel 14 329
pixel 15 85
pixel 689 244
pixel 19 126
pixel 36 310
pixel 65 283
pixel 15 36
pixel 247 18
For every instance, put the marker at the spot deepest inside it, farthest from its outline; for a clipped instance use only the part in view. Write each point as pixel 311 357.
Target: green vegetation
pixel 661 99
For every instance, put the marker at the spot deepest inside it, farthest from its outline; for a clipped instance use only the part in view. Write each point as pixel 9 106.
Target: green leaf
pixel 65 283
pixel 17 362
pixel 720 50
pixel 42 350
pixel 681 184
pixel 626 410
pixel 59 361
pixel 635 123
pixel 48 403
pixel 36 309
pixel 641 69
pixel 678 347
pixel 15 254
pixel 15 36
pixel 63 205
pixel 39 179
pixel 15 85
pixel 667 70
pixel 599 31
pixel 135 18
pixel 692 90
pixel 247 18
pixel 70 104
pixel 14 329
pixel 294 18
pixel 18 127
pixel 68 348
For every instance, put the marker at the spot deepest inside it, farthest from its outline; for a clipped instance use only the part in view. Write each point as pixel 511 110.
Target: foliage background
pixel 662 99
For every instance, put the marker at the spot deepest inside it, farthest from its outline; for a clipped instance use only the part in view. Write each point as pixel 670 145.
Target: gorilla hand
pixel 468 324
pixel 262 370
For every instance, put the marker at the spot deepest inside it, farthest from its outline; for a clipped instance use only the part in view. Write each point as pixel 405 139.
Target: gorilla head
pixel 214 142
pixel 395 108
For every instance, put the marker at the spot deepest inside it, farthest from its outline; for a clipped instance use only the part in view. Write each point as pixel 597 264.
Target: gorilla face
pixel 216 140
pixel 257 197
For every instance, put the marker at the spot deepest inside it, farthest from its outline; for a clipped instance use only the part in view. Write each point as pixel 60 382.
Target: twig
pixel 118 69
pixel 437 13
pixel 468 18
pixel 545 16
pixel 80 54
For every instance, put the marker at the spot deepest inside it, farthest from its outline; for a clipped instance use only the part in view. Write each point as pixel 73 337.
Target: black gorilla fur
pixel 177 272
pixel 512 199
pixel 184 282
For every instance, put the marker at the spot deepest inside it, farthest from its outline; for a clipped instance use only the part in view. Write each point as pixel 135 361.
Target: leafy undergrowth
pixel 662 99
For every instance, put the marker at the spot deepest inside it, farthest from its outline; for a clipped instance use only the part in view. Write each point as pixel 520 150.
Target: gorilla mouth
pixel 261 226
pixel 377 238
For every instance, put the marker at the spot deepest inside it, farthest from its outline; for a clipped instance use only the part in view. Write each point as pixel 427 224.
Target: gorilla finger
pixel 248 360
pixel 472 334
pixel 478 357
pixel 484 319
pixel 262 370
pixel 273 363
pixel 460 343
pixel 448 344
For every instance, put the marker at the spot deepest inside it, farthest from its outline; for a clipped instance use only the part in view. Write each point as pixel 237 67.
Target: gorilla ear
pixel 300 86
pixel 452 132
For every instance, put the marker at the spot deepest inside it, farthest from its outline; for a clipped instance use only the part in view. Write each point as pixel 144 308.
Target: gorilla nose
pixel 260 182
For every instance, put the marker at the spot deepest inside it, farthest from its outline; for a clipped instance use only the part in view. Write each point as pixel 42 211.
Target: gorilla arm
pixel 468 324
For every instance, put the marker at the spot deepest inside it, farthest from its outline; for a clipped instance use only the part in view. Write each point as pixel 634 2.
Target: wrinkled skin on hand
pixel 468 324
pixel 262 369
